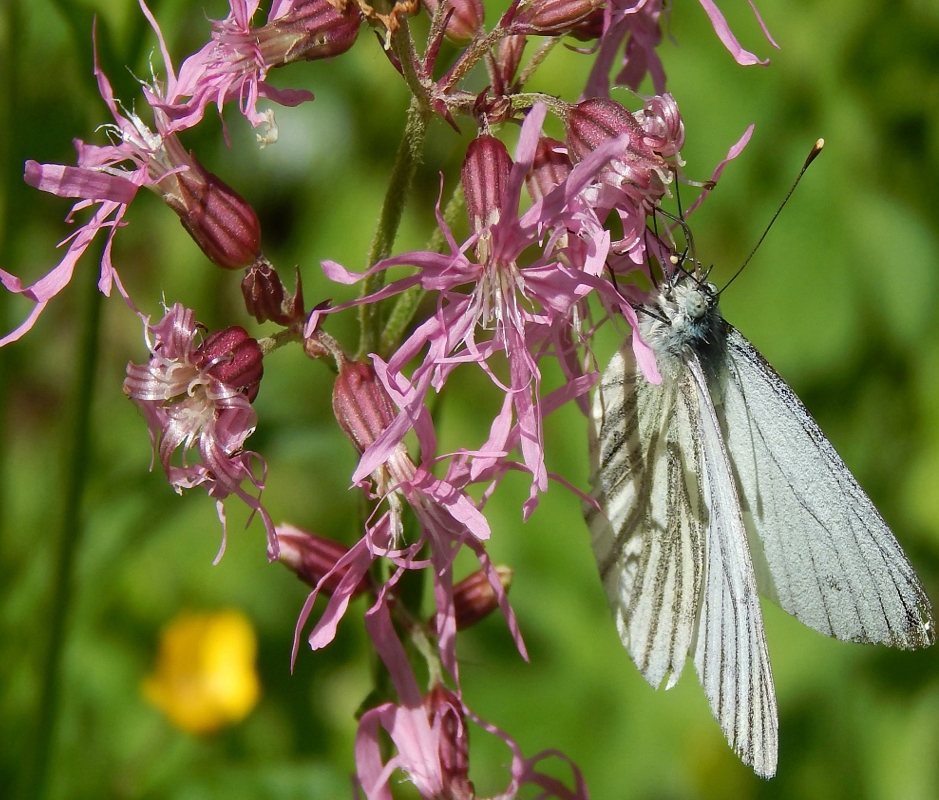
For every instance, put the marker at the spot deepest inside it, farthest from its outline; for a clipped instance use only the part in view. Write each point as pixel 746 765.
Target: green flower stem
pixel 68 533
pixel 409 300
pixel 402 177
pixel 470 57
pixel 536 60
pixel 527 99
pixel 406 52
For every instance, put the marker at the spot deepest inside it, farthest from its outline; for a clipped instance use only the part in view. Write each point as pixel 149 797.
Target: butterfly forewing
pixel 648 533
pixel 834 563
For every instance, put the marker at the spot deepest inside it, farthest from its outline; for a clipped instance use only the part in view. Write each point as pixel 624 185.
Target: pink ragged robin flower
pixel 448 517
pixel 634 27
pixel 234 65
pixel 221 222
pixel 490 304
pixel 639 174
pixel 430 735
pixel 196 395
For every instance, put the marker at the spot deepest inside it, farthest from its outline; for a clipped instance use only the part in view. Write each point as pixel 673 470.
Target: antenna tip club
pixel 816 149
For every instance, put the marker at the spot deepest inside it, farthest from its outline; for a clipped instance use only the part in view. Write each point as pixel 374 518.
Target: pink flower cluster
pixel 552 231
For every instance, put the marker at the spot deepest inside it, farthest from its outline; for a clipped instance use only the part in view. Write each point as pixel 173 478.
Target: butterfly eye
pixel 696 304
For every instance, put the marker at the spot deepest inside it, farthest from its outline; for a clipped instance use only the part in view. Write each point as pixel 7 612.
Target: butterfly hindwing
pixel 730 652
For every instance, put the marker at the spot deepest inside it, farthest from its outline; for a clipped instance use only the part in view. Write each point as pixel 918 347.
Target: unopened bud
pixel 311 557
pixel 234 358
pixel 445 714
pixel 553 17
pixel 592 122
pixel 474 598
pixel 549 169
pixel 485 175
pixel 508 57
pixel 266 297
pixel 361 404
pixel 590 27
pixel 310 31
pixel 466 19
pixel 219 219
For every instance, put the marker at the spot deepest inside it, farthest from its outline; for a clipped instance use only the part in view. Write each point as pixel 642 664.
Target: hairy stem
pixel 399 186
pixel 408 301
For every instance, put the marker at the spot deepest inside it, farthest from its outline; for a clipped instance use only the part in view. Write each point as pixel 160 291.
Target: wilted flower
pixel 552 17
pixel 266 297
pixel 466 18
pixel 196 395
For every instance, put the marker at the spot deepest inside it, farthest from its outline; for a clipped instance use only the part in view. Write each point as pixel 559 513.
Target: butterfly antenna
pixel 655 230
pixel 689 237
pixel 679 260
pixel 639 309
pixel 816 149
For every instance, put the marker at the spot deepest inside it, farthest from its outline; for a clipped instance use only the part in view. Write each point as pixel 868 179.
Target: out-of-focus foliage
pixel 841 299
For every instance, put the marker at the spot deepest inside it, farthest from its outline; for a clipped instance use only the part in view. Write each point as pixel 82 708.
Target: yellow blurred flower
pixel 205 675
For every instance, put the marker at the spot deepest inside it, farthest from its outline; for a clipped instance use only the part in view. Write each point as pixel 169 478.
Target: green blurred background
pixel 840 299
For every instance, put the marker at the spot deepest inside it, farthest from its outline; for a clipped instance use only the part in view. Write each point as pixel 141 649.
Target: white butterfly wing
pixel 648 534
pixel 730 652
pixel 672 550
pixel 833 562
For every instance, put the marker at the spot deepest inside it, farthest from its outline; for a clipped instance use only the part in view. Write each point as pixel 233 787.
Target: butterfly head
pixel 684 319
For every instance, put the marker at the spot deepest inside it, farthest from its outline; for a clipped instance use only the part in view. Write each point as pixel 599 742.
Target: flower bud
pixel 592 122
pixel 553 17
pixel 485 177
pixel 474 598
pixel 445 713
pixel 309 31
pixel 508 57
pixel 590 27
pixel 466 19
pixel 311 557
pixel 550 168
pixel 219 219
pixel 266 297
pixel 232 357
pixel 362 406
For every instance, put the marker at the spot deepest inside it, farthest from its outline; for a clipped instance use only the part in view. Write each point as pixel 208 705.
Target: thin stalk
pixel 525 100
pixel 470 57
pixel 536 60
pixel 408 157
pixel 403 46
pixel 68 533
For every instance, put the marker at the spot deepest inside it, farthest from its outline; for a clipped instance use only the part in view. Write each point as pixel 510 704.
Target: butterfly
pixel 714 486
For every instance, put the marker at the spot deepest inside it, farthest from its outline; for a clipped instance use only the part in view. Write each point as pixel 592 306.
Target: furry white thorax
pixel 684 320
